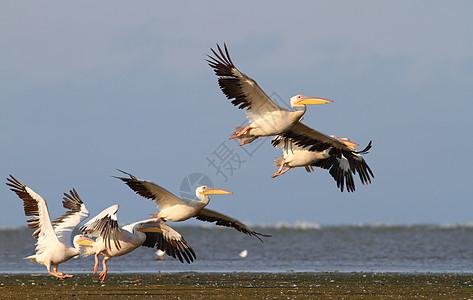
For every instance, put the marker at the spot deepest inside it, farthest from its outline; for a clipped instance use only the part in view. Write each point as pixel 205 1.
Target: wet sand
pixel 246 285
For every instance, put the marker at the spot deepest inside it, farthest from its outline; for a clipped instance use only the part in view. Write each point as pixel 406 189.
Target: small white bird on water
pixel 160 255
pixel 243 253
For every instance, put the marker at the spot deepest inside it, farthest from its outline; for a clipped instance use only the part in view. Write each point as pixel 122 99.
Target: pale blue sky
pixel 91 86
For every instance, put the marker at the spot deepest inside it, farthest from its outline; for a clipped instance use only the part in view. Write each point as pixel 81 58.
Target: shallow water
pixel 297 248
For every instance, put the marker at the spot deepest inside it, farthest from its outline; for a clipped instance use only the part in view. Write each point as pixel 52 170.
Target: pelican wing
pixel 105 225
pixel 339 169
pixel 279 142
pixel 304 136
pixel 241 89
pixel 35 206
pixel 162 197
pixel 286 144
pixel 223 220
pixel 169 241
pixel 77 212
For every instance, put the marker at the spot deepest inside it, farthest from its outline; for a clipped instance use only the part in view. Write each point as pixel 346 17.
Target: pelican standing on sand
pixel 337 165
pixel 54 240
pixel 113 240
pixel 175 209
pixel 266 117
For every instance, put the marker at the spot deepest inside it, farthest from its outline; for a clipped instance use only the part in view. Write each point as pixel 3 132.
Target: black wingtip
pixel 259 235
pixel 72 195
pixel 126 173
pixel 14 183
pixel 367 148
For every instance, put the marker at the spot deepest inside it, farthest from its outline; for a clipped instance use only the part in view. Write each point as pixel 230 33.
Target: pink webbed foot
pixel 240 133
pixel 247 141
pixel 102 276
pixel 279 172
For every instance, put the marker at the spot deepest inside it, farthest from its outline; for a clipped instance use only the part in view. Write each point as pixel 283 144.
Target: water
pixel 295 248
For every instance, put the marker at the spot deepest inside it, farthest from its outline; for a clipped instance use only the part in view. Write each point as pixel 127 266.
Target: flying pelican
pixel 54 240
pixel 175 209
pixel 338 165
pixel 113 240
pixel 266 118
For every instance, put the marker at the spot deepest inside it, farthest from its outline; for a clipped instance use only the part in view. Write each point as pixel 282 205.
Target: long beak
pixel 151 228
pixel 85 241
pixel 346 141
pixel 349 143
pixel 312 100
pixel 212 191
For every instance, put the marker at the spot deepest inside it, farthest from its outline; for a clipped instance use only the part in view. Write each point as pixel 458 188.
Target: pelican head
pixel 205 190
pixel 300 101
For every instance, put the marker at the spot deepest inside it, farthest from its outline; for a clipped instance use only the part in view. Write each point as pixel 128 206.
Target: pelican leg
pixel 63 275
pixel 96 263
pixel 158 216
pixel 104 272
pixel 285 170
pixel 243 131
pixel 278 172
pixel 247 141
pixel 54 273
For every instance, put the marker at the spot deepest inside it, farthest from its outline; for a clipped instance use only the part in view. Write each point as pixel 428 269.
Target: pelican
pixel 175 209
pixel 338 165
pixel 113 240
pixel 265 117
pixel 54 239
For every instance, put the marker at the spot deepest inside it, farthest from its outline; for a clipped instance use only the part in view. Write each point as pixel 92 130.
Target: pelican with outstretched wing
pixel 338 165
pixel 53 246
pixel 175 209
pixel 113 240
pixel 266 117
pixel 312 140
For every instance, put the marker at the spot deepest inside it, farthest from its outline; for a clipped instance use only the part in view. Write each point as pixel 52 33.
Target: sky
pixel 92 86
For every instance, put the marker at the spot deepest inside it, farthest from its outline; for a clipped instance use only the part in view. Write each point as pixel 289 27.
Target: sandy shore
pixel 246 285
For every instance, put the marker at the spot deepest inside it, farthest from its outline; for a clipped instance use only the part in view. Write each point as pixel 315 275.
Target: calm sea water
pixel 295 248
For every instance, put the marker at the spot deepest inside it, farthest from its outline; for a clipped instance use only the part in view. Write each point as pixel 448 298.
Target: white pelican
pixel 266 118
pixel 175 209
pixel 54 240
pixel 341 168
pixel 269 119
pixel 113 240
